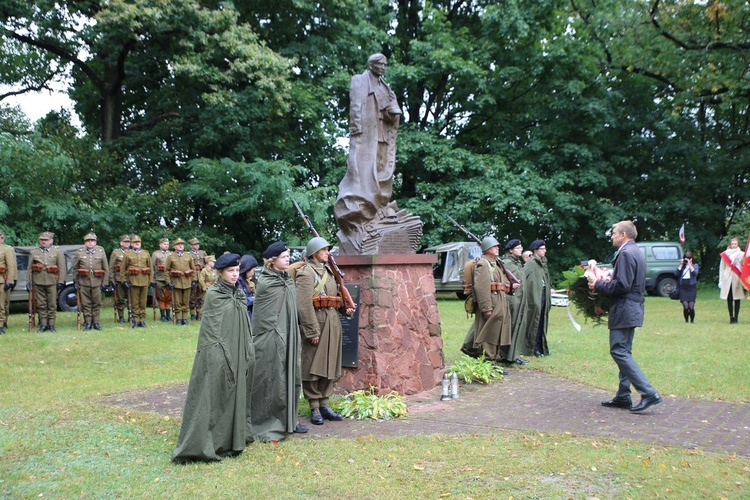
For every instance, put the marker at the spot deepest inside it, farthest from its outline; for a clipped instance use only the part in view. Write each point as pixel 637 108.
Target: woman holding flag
pixel 730 282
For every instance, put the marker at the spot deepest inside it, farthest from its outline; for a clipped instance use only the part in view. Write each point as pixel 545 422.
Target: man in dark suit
pixel 625 314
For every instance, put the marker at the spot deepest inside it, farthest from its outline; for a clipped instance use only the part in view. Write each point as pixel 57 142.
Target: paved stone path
pixel 525 400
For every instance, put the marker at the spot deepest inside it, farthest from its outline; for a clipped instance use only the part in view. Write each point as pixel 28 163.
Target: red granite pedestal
pixel 400 343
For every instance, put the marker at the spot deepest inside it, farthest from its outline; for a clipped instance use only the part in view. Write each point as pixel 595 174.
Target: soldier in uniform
pixel 181 277
pixel 196 294
pixel 318 299
pixel 47 269
pixel 115 265
pixel 163 293
pixel 8 279
pixel 208 274
pixel 137 274
pixel 492 322
pixel 92 275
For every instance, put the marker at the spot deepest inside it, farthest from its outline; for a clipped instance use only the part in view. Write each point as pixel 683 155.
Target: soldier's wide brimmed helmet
pixel 316 244
pixel 489 242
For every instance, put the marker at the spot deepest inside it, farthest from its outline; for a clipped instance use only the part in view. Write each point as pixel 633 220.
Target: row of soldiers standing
pixel 511 319
pixel 130 271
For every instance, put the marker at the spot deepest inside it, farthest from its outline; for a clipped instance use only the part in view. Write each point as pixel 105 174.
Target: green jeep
pixel 662 259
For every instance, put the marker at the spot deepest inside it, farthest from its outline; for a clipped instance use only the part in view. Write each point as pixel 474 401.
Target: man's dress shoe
pixel 329 414
pixel 647 401
pixel 301 429
pixel 618 403
pixel 315 417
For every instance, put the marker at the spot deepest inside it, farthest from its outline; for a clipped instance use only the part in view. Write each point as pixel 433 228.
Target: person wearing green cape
pixel 276 339
pixel 539 293
pixel 517 302
pixel 216 419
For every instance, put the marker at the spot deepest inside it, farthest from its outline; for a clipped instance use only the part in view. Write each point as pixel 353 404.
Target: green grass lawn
pixel 56 441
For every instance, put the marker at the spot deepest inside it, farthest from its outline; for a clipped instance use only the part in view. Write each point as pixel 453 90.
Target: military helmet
pixel 489 242
pixel 316 244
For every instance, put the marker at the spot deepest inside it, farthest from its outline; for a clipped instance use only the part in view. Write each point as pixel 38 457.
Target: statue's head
pixel 377 64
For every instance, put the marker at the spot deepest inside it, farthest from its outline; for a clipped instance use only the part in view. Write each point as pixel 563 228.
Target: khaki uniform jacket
pixel 160 263
pixel 91 268
pixel 47 266
pixel 322 360
pixel 497 329
pixel 207 277
pixel 199 259
pixel 8 264
pixel 115 263
pixel 180 270
pixel 136 268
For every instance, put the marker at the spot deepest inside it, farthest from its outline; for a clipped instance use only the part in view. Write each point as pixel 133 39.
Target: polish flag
pixel 745 277
pixel 682 233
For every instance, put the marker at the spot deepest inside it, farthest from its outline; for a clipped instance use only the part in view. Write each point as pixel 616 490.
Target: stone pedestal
pixel 400 343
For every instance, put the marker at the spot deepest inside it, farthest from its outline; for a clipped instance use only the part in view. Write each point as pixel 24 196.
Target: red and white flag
pixel 745 276
pixel 682 233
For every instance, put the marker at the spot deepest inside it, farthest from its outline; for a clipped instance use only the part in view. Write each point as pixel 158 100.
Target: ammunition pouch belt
pixel 189 272
pixel 175 272
pixel 134 270
pixel 99 273
pixel 3 269
pixel 499 287
pixel 326 301
pixel 145 270
pixel 117 267
pixel 86 272
pixel 37 268
pixel 160 267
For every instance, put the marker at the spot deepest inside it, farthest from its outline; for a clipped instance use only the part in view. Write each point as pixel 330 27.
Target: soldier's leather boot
pixel 42 328
pixel 51 328
pixel 163 314
pixel 2 330
pixel 169 315
pixel 96 326
pixel 86 327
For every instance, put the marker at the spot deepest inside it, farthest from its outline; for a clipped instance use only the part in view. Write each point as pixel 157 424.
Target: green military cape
pixel 518 304
pixel 537 278
pixel 276 338
pixel 216 418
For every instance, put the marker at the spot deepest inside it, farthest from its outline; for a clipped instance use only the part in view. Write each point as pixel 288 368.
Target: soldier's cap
pixel 210 258
pixel 135 239
pixel 227 260
pixel 194 241
pixel 512 244
pixel 179 241
pixel 46 235
pixel 125 237
pixel 247 262
pixel 275 249
pixel 164 240
pixel 89 236
pixel 536 244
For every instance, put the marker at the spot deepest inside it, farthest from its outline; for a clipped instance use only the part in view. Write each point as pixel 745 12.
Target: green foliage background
pixel 551 119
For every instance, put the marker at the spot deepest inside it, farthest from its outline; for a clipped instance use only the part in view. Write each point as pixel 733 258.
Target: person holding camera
pixel 687 276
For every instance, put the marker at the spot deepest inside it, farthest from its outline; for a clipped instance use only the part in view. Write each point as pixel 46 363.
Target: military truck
pixel 67 300
pixel 449 270
pixel 662 259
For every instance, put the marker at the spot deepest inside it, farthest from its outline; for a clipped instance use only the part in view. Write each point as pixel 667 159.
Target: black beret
pixel 274 249
pixel 247 262
pixel 512 244
pixel 536 244
pixel 227 260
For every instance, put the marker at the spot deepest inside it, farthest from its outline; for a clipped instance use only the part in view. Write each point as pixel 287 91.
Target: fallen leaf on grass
pixel 417 467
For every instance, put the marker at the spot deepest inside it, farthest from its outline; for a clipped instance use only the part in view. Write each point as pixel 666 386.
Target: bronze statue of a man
pixel 364 199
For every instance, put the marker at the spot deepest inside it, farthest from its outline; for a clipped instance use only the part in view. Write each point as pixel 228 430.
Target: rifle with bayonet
pixel 337 273
pixel 513 280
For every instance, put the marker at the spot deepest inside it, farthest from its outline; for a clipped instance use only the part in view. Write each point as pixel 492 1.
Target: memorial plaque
pixel 350 332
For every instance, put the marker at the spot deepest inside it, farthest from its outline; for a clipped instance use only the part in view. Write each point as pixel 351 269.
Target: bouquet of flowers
pixel 594 306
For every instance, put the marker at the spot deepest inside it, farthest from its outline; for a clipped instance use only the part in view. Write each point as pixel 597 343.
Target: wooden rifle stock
pixel 32 307
pixel 337 273
pixel 78 307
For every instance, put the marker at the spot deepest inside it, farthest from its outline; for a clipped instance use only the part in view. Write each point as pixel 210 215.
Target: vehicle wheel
pixel 461 295
pixel 67 300
pixel 665 286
